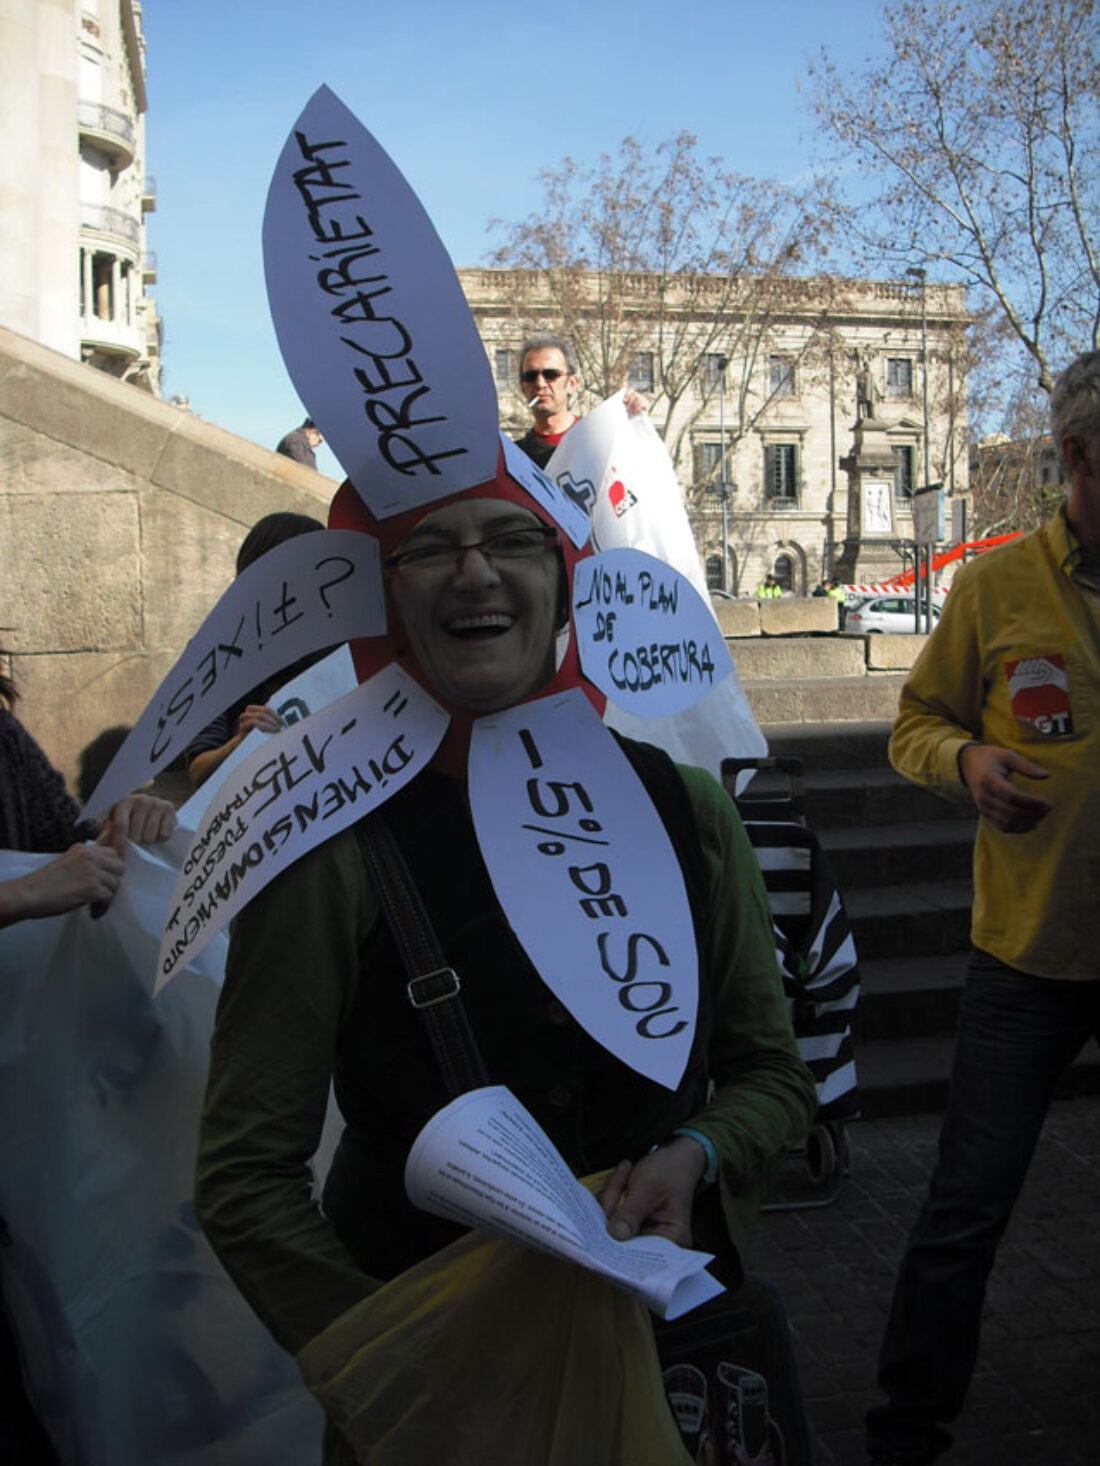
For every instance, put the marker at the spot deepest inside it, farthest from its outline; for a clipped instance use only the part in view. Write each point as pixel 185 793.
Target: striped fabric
pixel 816 953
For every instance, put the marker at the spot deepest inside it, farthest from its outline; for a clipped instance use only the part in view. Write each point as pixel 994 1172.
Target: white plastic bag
pixel 138 1349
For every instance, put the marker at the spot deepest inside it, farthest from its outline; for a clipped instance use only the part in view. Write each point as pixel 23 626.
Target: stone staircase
pixel 901 858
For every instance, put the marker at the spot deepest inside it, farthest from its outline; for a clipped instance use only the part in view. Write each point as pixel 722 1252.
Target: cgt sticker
pixel 1039 692
pixel 620 498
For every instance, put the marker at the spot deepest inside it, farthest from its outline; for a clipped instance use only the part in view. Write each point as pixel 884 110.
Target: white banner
pixel 573 520
pixel 619 467
pixel 138 1348
pixel 371 320
pixel 303 786
pixel 312 592
pixel 646 637
pixel 588 878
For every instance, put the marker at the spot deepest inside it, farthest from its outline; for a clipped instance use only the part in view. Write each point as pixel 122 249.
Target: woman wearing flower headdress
pixel 315 988
pixel 425 1343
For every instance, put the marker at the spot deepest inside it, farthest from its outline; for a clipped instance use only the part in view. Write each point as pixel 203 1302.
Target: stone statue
pixel 865 388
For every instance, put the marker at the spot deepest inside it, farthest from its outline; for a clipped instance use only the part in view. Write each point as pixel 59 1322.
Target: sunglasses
pixel 551 374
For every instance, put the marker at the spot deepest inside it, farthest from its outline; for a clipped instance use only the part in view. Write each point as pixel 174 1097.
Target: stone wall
pixel 120 519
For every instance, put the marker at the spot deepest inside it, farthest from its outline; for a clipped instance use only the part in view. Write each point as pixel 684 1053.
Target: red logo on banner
pixel 1039 691
pixel 620 498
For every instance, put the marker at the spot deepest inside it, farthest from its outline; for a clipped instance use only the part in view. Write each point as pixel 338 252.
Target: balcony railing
pixel 110 127
pixel 149 268
pixel 149 195
pixel 105 220
pixel 116 339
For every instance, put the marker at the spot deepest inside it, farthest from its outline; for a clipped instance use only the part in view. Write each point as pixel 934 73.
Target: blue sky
pixel 471 101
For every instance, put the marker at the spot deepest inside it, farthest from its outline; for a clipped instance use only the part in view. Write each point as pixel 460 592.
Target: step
pixel 910 1076
pixel 891 921
pixel 869 797
pixel 833 798
pixel 899 854
pixel 909 996
pixel 856 743
pixel 836 700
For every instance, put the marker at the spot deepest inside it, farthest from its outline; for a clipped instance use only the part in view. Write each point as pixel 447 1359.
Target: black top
pixel 538 449
pixel 37 813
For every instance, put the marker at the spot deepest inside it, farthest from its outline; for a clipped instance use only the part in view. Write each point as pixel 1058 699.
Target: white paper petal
pixel 303 786
pixel 646 637
pixel 313 591
pixel 372 322
pixel 588 878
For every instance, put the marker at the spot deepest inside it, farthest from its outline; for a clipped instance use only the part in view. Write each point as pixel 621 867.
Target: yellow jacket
pixel 1015 662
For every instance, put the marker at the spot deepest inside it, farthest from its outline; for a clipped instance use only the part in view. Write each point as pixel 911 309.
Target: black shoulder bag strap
pixel 433 988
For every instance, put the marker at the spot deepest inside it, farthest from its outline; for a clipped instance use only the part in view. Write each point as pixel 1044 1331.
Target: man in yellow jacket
pixel 1003 708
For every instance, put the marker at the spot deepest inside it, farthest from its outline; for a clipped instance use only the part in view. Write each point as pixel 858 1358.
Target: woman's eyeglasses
pixel 509 544
pixel 550 374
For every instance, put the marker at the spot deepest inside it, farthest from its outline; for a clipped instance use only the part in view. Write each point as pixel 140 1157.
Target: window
pixel 903 472
pixel 708 464
pixel 714 573
pixel 713 363
pixel 505 367
pixel 640 375
pixel 780 472
pixel 781 376
pixel 783 570
pixel 899 376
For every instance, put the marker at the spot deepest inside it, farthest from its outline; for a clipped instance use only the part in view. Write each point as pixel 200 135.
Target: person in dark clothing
pixel 549 380
pixel 38 814
pixel 301 443
pixel 479 590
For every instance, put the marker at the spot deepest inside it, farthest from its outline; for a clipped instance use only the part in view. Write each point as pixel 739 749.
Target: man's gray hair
pixel 1075 405
pixel 543 341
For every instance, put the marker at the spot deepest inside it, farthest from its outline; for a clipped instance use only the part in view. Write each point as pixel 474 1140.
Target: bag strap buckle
pixel 430 988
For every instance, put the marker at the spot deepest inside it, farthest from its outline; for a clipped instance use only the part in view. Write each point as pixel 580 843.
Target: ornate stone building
pixel 819 404
pixel 73 190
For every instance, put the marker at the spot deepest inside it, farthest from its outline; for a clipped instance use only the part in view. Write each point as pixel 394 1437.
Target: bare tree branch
pixel 671 253
pixel 970 133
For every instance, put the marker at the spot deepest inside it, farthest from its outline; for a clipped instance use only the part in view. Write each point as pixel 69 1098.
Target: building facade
pixel 760 414
pixel 74 195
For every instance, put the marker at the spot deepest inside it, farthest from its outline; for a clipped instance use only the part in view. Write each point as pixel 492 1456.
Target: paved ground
pixel 1035 1400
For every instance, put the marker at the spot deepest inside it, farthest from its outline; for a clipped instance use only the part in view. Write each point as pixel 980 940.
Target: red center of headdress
pixel 371 654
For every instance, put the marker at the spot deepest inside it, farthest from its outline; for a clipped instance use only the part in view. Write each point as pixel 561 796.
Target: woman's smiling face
pixel 480 625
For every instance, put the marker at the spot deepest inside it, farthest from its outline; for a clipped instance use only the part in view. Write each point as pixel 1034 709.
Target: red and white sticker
pixel 1039 691
pixel 620 498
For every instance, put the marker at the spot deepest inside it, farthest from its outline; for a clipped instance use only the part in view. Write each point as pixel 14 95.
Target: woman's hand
pixel 84 875
pixel 654 1196
pixel 143 818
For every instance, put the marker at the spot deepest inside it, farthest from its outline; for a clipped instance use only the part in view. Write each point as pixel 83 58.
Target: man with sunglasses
pixel 548 379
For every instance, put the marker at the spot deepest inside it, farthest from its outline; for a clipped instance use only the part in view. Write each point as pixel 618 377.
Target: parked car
pixel 885 613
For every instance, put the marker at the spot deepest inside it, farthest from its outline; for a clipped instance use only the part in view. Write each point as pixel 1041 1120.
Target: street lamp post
pixel 918 274
pixel 723 488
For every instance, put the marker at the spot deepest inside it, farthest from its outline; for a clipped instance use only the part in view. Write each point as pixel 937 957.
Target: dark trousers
pixel 22 1440
pixel 1017 1035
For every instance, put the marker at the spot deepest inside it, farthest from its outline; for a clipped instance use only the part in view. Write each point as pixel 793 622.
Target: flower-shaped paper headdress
pixel 383 350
